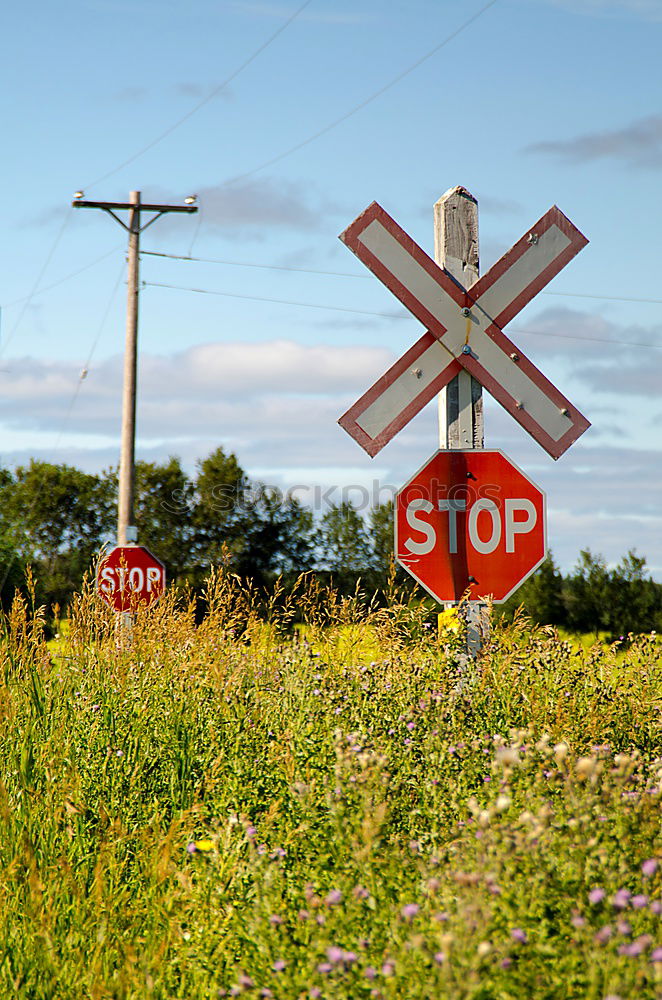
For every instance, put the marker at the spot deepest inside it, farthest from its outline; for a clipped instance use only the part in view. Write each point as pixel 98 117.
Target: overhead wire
pixel 368 277
pixel 205 100
pixel 85 370
pixel 364 103
pixel 67 415
pixel 35 287
pixel 383 315
pixel 66 277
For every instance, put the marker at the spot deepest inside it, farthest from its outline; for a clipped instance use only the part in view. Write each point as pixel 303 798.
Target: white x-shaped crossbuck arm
pixel 464 330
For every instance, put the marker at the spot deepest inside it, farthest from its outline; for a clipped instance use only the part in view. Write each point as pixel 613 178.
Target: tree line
pixel 56 518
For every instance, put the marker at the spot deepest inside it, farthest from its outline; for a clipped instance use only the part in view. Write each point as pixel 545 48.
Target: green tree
pixel 345 552
pixel 587 594
pixel 163 508
pixel 218 509
pixel 12 570
pixel 636 600
pixel 58 517
pixel 541 596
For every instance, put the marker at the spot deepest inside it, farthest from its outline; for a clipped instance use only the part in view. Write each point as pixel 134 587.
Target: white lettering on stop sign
pixel 485 533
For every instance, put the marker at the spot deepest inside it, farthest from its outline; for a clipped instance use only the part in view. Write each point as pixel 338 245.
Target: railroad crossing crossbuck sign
pixel 464 330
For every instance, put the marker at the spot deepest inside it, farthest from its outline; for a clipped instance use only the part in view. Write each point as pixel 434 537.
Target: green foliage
pixel 215 810
pixel 592 598
pixel 56 518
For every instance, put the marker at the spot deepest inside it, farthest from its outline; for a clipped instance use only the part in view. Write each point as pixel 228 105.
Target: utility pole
pixel 461 423
pixel 126 531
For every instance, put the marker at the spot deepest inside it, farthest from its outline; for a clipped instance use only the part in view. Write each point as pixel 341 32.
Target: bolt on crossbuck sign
pixel 464 330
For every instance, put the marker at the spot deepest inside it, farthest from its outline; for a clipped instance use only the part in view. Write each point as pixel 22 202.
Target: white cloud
pixel 638 144
pixel 276 405
pixel 648 10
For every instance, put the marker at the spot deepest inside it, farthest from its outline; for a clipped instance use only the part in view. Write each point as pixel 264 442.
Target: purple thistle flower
pixel 191 848
pixel 637 947
pixel 656 955
pixel 604 934
pixel 649 867
pixel 324 968
pixel 409 911
pixel 275 920
pixel 621 898
pixel 245 981
pixel 656 907
pixel 624 928
pixel 388 968
pixel 335 955
pixel 506 962
pixel 369 972
pixel 517 934
pixel 639 901
pixel 577 920
pixel 596 896
pixel 359 892
pixel 440 957
pixel 314 992
pixel 279 965
pixel 333 897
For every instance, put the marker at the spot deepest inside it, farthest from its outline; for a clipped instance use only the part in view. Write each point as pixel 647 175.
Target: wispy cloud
pixel 647 10
pixel 638 145
pixel 254 205
pixel 130 94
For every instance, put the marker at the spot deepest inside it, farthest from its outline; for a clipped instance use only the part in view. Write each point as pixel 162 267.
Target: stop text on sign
pixel 135 579
pixel 470 522
pixel 130 576
pixel 500 524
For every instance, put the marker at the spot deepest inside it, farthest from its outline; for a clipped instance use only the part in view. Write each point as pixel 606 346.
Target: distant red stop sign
pixel 470 521
pixel 130 576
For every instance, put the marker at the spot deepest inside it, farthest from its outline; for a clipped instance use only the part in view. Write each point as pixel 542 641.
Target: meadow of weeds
pixel 337 810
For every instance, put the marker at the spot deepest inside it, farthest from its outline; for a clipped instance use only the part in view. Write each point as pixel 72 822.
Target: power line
pixel 265 267
pixel 67 277
pixel 364 103
pixel 215 92
pixel 11 561
pixel 367 277
pixel 35 288
pixel 280 302
pixel 610 298
pixel 367 312
pixel 86 366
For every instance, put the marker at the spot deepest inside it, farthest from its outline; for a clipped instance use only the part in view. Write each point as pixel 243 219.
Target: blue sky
pixel 329 106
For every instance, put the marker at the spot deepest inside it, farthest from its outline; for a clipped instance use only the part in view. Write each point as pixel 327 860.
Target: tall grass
pixel 336 810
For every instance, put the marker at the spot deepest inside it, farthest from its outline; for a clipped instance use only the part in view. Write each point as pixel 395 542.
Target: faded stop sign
pixel 130 576
pixel 470 521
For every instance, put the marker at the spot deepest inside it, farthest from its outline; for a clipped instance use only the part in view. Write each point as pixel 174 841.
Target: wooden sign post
pixel 461 419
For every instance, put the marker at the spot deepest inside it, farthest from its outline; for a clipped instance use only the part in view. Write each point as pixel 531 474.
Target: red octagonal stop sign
pixel 470 521
pixel 130 576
